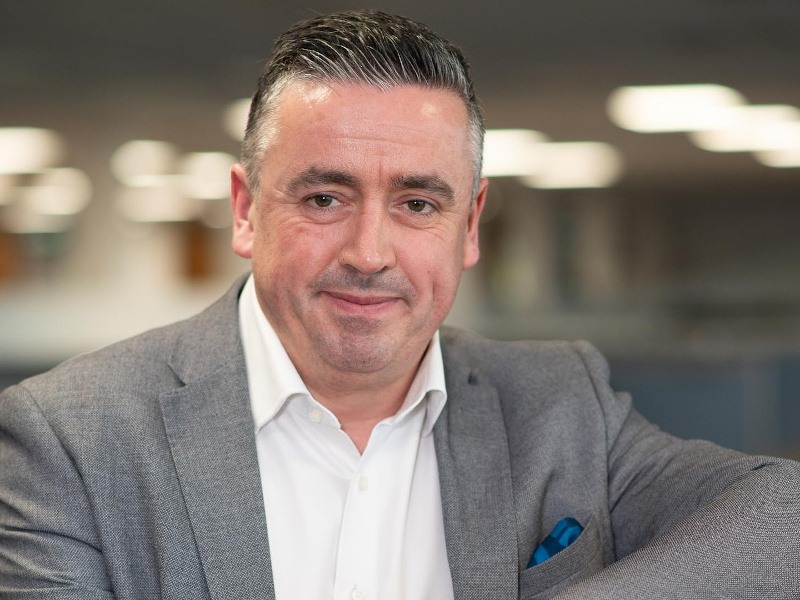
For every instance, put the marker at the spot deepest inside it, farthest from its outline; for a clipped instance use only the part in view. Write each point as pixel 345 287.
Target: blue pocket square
pixel 564 533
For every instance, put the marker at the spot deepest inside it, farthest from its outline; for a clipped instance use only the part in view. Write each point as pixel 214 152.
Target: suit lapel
pixel 210 430
pixel 475 476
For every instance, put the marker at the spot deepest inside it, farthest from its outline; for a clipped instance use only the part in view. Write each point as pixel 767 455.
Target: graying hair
pixel 369 47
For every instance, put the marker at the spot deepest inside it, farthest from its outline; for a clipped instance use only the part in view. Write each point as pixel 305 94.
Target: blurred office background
pixel 669 238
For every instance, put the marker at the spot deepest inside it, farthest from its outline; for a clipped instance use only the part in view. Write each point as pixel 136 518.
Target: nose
pixel 369 246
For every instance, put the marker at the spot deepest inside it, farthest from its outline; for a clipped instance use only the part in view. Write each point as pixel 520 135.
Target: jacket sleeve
pixel 691 519
pixel 49 547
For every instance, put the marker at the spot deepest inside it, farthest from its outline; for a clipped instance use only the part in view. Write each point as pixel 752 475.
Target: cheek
pixel 294 252
pixel 435 256
pixel 437 275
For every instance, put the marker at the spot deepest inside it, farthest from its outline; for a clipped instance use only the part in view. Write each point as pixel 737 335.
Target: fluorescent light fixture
pixel 664 108
pixel 140 163
pixel 28 149
pixel 234 118
pixel 163 203
pixel 58 192
pixel 207 175
pixel 753 128
pixel 511 152
pixel 779 159
pixel 574 165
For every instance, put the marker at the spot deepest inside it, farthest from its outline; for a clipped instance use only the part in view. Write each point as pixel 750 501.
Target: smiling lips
pixel 362 303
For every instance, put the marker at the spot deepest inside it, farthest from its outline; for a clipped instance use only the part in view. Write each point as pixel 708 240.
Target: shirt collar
pixel 273 378
pixel 428 383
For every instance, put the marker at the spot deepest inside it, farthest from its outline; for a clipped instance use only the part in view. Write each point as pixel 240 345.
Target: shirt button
pixel 363 483
pixel 315 415
pixel 357 594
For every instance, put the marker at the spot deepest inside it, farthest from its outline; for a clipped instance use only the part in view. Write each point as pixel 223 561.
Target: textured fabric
pixel 132 473
pixel 532 433
pixel 357 520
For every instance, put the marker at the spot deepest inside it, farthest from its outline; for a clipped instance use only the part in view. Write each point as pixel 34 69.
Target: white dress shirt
pixel 344 525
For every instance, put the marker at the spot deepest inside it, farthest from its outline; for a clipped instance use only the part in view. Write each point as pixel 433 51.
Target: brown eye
pixel 323 201
pixel 417 205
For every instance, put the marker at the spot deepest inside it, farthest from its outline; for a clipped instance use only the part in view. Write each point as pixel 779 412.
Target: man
pixel 314 434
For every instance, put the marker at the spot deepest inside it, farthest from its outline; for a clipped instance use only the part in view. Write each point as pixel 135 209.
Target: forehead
pixel 309 94
pixel 403 115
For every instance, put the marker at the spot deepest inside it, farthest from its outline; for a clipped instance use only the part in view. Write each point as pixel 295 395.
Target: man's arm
pixel 49 546
pixel 691 519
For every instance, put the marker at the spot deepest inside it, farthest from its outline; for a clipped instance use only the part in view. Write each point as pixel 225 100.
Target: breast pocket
pixel 581 558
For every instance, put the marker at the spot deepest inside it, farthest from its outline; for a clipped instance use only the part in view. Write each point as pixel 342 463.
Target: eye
pixel 323 201
pixel 419 206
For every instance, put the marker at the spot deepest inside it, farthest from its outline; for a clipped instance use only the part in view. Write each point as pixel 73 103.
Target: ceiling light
pixel 753 128
pixel 663 108
pixel 28 149
pixel 234 118
pixel 207 175
pixel 140 163
pixel 780 159
pixel 511 152
pixel 164 203
pixel 64 191
pixel 572 165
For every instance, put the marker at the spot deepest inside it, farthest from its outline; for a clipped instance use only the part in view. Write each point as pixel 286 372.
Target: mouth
pixel 362 304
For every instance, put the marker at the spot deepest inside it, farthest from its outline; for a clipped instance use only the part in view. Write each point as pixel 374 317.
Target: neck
pixel 359 408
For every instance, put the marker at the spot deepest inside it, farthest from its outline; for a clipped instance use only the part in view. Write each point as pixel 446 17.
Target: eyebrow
pixel 316 176
pixel 429 183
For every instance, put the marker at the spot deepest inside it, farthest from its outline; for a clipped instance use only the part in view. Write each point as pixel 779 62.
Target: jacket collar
pixel 475 475
pixel 210 431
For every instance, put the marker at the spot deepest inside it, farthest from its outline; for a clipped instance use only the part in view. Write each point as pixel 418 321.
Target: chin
pixel 359 353
pixel 360 362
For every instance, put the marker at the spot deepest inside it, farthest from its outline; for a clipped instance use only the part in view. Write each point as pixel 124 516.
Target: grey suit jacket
pixel 131 473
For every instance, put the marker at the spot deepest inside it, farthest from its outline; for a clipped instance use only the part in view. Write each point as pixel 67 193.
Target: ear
pixel 242 209
pixel 471 249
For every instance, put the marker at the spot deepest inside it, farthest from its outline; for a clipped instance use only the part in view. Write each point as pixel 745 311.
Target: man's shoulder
pixel 540 386
pixel 143 365
pixel 136 364
pixel 540 355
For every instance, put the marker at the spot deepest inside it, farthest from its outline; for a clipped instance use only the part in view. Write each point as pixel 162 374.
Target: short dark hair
pixel 369 47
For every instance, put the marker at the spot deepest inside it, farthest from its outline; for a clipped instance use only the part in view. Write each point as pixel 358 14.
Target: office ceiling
pixel 547 64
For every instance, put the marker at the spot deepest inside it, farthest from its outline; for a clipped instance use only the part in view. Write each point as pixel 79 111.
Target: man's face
pixel 362 225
